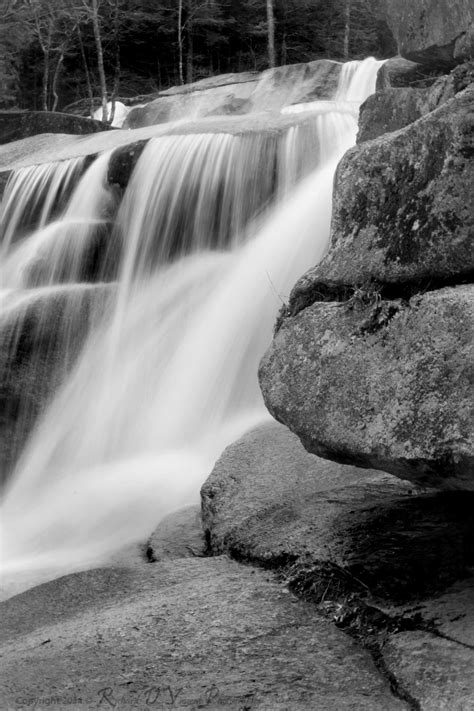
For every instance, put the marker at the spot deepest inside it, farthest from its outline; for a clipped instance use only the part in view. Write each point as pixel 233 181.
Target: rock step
pixel 338 534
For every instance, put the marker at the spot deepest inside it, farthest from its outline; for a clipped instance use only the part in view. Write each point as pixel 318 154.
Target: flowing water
pixel 212 233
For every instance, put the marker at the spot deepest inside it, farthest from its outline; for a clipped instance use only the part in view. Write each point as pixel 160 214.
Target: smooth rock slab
pixel 269 501
pixel 189 633
pixel 383 384
pixel 435 671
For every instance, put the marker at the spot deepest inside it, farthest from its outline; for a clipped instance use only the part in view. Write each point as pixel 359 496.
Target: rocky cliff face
pixel 436 32
pixel 370 362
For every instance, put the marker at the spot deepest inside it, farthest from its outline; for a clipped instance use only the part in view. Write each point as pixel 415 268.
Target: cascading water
pixel 32 195
pixel 171 378
pixel 59 251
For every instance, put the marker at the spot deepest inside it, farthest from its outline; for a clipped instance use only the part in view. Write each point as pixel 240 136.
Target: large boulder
pixel 398 72
pixel 433 32
pixel 393 107
pixel 380 383
pixel 401 210
pixel 351 529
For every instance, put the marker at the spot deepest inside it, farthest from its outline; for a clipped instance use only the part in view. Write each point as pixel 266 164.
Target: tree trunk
pixel 86 73
pixel 284 50
pixel 180 42
pixel 271 33
pixel 189 55
pixel 44 91
pixel 54 86
pixel 117 63
pixel 100 58
pixel 347 29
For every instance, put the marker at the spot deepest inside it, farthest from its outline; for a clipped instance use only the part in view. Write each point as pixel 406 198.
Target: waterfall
pixel 61 250
pixel 213 232
pixel 32 195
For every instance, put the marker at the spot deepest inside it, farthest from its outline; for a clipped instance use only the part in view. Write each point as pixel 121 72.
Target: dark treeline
pixel 56 52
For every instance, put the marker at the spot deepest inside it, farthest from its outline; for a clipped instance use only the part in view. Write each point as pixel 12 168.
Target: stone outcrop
pixel 15 125
pixel 392 108
pixel 380 383
pixel 269 501
pixel 349 540
pixel 399 72
pixel 401 209
pixel 366 366
pixel 237 94
pixel 433 32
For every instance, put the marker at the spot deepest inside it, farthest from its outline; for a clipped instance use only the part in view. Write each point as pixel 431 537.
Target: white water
pixel 34 190
pixel 55 252
pixel 158 394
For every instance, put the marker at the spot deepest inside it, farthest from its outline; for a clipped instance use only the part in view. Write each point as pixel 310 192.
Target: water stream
pixel 213 231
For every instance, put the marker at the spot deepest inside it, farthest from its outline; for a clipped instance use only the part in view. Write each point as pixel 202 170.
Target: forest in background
pixel 56 53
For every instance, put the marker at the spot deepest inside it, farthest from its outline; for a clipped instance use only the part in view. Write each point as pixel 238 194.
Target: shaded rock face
pixel 383 384
pixel 433 32
pixel 15 125
pixel 41 335
pixel 269 501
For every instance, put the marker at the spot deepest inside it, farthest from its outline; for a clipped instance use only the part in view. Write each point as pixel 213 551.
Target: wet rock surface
pixel 128 145
pixel 241 94
pixel 15 125
pixel 271 502
pixel 187 633
pixel 432 32
pixel 379 383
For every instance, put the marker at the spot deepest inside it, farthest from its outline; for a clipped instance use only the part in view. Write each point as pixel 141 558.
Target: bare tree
pixel 93 8
pixel 52 24
pixel 271 33
pixel 347 28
